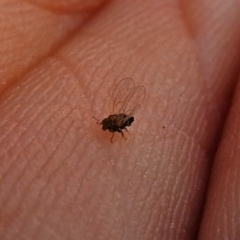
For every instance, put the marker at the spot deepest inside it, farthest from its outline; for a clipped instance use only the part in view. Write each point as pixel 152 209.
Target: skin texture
pixel 177 175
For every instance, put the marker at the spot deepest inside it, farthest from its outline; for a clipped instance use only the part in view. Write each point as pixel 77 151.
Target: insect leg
pixel 111 140
pixel 126 130
pixel 122 134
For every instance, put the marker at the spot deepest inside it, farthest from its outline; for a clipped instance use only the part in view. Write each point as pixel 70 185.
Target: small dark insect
pixel 125 100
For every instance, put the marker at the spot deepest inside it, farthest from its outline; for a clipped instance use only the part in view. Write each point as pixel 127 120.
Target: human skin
pixel 176 176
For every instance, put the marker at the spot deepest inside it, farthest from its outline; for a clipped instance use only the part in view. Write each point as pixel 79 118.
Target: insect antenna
pixel 98 122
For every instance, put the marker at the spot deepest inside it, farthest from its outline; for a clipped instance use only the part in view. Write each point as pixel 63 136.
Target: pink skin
pixel 61 178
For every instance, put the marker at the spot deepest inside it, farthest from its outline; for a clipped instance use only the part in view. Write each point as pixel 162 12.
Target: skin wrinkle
pixel 69 67
pixel 4 51
pixel 123 217
pixel 27 110
pixel 45 165
pixel 104 216
pixel 186 19
pixel 88 53
pixel 147 197
pixel 100 222
pixel 125 163
pixel 159 176
pixel 125 231
pixel 196 117
pixel 45 8
pixel 193 34
pixel 180 198
pixel 57 197
pixel 94 211
pixel 74 170
pixel 117 45
pixel 30 84
pixel 129 180
pixel 223 179
pixel 148 222
pixel 121 206
pixel 68 8
pixel 121 190
pixel 137 188
pixel 178 204
pixel 109 235
pixel 14 162
pixel 47 213
pixel 185 209
pixel 187 134
pixel 121 193
pixel 234 215
pixel 36 61
pixel 116 221
pixel 155 181
pixel 84 66
pixel 32 140
pixel 137 17
pixel 158 213
pixel 25 192
pixel 97 179
pixel 84 101
pixel 125 168
pixel 36 204
pixel 216 30
pixel 15 107
pixel 217 27
pixel 149 194
pixel 170 204
pixel 80 186
pixel 50 176
pixel 169 97
pixel 72 69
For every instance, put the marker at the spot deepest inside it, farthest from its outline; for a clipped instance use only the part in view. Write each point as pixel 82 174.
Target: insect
pixel 125 101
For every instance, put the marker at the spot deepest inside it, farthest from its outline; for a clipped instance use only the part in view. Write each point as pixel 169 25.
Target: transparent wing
pixel 133 101
pixel 122 91
pixel 126 98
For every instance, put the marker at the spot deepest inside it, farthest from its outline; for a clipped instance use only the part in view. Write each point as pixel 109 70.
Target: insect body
pixel 116 123
pixel 125 100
